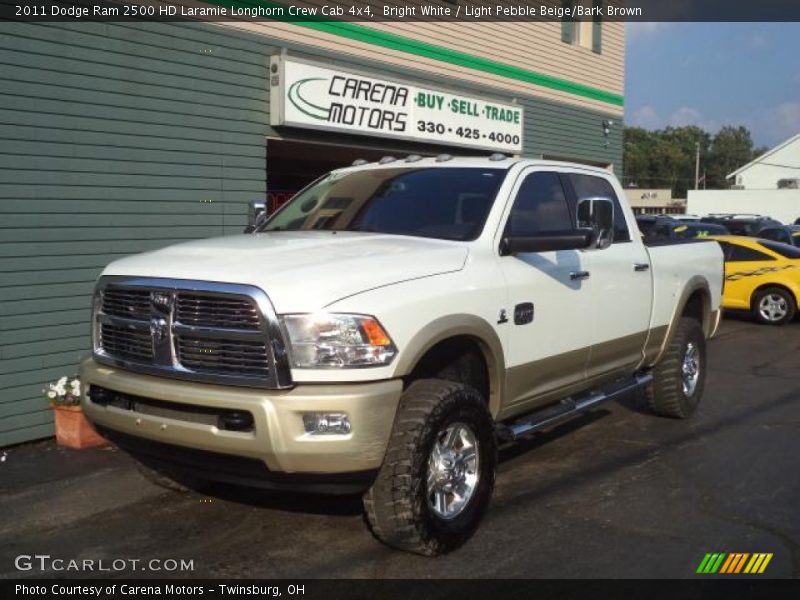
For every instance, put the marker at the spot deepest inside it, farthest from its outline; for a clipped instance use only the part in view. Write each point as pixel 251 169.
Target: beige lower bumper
pixel 279 438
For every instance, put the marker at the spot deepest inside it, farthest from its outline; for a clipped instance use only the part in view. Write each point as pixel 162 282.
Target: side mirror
pixel 576 239
pixel 258 214
pixel 597 214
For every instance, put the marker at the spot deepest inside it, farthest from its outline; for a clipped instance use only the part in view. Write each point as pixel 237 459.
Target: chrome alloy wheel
pixel 690 369
pixel 773 307
pixel 452 470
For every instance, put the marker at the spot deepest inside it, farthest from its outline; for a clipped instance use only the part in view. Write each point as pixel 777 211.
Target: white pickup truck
pixel 385 330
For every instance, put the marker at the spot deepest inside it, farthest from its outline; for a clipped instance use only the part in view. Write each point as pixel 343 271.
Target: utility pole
pixel 697 165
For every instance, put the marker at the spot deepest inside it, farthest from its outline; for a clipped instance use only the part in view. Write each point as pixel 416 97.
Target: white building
pixel 777 169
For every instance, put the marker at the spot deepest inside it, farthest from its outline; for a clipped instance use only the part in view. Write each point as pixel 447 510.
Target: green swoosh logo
pixel 304 106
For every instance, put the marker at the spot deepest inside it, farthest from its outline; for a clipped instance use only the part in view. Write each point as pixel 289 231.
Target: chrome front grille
pixel 221 355
pixel 222 333
pixel 214 311
pixel 129 303
pixel 133 343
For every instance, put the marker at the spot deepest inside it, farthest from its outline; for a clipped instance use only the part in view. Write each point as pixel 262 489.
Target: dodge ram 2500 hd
pixel 390 326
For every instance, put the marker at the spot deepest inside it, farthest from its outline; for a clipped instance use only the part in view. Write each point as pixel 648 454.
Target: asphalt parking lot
pixel 618 493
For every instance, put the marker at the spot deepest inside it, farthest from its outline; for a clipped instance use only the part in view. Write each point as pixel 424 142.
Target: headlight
pixel 330 340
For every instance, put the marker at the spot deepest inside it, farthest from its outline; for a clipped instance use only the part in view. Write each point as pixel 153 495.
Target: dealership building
pixel 122 137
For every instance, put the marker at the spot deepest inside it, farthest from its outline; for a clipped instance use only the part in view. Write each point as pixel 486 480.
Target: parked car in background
pixel 657 228
pixel 654 226
pixel 742 224
pixel 762 276
pixel 686 217
pixel 787 234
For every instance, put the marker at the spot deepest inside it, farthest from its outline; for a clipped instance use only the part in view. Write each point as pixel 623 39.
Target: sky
pixel 715 74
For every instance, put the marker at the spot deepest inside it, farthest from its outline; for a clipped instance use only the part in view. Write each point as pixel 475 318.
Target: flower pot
pixel 73 430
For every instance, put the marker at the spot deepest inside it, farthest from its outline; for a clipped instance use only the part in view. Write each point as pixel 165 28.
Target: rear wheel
pixel 774 306
pixel 679 377
pixel 438 475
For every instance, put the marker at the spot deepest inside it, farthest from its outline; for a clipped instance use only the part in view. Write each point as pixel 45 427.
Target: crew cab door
pixel 549 311
pixel 621 285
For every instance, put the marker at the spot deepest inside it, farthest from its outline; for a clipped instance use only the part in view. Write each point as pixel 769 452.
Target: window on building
pixel 788 184
pixel 583 31
pixel 540 207
pixel 590 186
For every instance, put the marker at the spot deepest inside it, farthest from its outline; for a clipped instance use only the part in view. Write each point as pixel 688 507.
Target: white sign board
pixel 311 96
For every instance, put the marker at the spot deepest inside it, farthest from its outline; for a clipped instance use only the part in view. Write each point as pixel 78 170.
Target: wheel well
pixel 772 285
pixel 459 359
pixel 697 307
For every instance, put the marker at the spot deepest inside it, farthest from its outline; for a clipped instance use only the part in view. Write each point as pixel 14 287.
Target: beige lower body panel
pixel 544 381
pixel 279 438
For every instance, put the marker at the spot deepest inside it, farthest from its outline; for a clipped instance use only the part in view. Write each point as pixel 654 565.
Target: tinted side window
pixel 779 235
pixel 742 254
pixel 783 249
pixel 727 249
pixel 590 186
pixel 540 206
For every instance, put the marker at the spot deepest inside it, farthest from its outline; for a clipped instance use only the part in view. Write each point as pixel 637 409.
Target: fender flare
pixel 696 284
pixel 451 326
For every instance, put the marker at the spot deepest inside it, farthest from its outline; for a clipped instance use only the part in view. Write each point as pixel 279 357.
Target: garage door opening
pixel 292 165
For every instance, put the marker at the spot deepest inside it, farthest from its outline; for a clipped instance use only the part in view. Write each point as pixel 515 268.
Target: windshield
pixel 448 203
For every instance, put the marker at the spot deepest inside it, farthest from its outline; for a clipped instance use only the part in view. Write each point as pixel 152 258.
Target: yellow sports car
pixel 762 276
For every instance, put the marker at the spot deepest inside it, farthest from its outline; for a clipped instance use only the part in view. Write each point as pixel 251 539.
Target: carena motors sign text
pixel 312 96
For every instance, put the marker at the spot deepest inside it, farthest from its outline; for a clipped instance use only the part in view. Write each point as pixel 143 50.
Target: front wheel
pixel 680 375
pixel 438 475
pixel 774 306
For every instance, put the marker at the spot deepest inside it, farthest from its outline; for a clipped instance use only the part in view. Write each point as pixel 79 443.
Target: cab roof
pixel 496 161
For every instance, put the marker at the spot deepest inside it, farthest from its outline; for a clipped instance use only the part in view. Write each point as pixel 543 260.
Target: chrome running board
pixel 566 409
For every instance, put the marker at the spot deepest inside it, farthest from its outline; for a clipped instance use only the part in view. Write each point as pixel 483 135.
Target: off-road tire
pixel 791 305
pixel 170 481
pixel 665 395
pixel 396 507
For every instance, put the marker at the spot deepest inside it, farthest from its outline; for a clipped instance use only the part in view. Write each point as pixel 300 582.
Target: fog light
pixel 326 423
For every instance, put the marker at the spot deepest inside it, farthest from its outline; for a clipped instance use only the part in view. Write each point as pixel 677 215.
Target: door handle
pixel 577 275
pixel 641 267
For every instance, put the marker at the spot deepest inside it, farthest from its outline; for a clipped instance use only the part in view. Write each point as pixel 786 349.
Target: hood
pixel 300 271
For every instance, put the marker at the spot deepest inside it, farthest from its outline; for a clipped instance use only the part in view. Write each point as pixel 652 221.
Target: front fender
pixel 458 325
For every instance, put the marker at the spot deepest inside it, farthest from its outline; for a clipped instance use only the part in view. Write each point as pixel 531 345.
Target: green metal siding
pixel 122 138
pixel 115 139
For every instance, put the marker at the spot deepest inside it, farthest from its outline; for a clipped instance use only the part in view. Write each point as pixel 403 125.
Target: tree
pixel 732 148
pixel 665 158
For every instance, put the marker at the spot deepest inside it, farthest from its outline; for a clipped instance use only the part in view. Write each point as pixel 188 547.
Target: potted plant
pixel 72 428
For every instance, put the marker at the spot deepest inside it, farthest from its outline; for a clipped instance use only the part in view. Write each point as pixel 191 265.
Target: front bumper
pixel 278 437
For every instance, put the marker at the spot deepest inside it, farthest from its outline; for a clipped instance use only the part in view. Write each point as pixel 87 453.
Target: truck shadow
pixel 350 505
